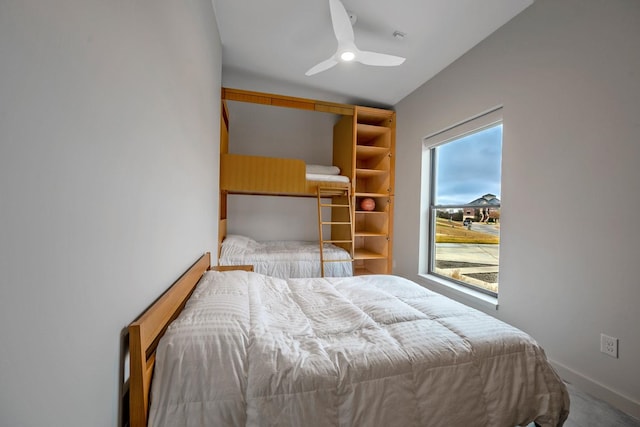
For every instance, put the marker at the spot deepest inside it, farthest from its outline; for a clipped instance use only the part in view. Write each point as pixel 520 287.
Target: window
pixel 463 193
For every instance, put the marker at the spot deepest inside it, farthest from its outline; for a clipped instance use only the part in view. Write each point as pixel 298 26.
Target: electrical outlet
pixel 609 345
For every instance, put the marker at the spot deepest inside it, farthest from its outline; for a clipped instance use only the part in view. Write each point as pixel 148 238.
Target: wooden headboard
pixel 145 332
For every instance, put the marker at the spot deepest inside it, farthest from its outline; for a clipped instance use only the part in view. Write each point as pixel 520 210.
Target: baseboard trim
pixel 596 389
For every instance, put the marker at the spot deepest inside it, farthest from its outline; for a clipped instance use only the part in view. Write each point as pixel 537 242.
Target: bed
pixel 285 258
pixel 250 349
pixel 255 175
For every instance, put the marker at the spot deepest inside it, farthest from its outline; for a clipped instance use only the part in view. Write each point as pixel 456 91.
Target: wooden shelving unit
pixel 364 145
pixel 364 149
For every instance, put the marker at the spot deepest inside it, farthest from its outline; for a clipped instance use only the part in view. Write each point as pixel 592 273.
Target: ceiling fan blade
pixel 341 22
pixel 378 59
pixel 324 65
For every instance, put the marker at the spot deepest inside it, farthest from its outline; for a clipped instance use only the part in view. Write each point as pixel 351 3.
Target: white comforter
pixel 285 258
pixel 253 350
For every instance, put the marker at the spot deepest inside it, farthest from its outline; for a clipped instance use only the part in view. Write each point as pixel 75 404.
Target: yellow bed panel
pixel 240 174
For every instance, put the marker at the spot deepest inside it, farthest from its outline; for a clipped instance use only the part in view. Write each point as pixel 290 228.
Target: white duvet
pixel 285 258
pixel 253 350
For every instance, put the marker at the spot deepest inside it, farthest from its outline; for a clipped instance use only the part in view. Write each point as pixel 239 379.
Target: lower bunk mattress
pixel 253 350
pixel 285 258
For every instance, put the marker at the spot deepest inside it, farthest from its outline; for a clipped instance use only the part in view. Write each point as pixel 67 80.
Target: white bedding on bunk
pixel 326 178
pixel 252 350
pixel 325 174
pixel 322 169
pixel 285 258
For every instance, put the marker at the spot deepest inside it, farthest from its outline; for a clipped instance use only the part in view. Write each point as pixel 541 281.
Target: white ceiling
pixel 281 39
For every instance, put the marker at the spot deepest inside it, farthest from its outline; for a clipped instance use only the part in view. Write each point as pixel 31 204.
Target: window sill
pixel 460 293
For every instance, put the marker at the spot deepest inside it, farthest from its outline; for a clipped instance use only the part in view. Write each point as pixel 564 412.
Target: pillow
pixel 238 241
pixel 323 170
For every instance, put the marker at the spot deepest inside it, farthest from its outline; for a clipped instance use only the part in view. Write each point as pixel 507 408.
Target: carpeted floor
pixel 587 411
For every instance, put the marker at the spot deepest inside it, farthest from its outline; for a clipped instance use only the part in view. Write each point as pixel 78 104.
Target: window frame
pixel 464 128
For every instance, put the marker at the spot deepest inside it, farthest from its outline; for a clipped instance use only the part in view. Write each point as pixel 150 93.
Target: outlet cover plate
pixel 609 345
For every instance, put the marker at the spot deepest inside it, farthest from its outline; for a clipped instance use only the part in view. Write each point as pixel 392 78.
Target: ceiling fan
pixel 347 50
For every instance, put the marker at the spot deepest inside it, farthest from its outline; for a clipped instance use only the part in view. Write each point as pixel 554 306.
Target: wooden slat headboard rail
pixel 145 332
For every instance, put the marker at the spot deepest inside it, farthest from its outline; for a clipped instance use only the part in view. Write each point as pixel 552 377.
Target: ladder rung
pixel 337 241
pixel 332 192
pixel 338 260
pixel 333 205
pixel 334 222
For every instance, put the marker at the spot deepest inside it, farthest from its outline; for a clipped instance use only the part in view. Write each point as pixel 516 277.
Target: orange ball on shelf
pixel 368 204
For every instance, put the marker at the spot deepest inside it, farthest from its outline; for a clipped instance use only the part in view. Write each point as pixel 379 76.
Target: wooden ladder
pixel 341 221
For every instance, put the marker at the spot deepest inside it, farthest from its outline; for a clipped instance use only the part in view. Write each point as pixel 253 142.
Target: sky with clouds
pixel 469 167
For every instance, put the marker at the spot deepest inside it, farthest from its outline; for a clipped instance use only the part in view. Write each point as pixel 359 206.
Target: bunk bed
pixel 363 148
pixel 242 174
pixel 248 349
pixel 255 175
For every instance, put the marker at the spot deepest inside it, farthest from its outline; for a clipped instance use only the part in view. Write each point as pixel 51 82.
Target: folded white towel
pixel 323 170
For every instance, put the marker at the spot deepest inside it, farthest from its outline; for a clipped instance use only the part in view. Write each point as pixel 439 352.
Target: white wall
pixel 567 74
pixel 109 135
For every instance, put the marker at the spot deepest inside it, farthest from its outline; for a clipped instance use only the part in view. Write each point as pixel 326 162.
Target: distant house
pixel 483 208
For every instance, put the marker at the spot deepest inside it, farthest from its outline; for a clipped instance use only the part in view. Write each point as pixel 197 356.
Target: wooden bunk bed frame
pixel 271 176
pixel 287 101
pixel 145 333
pixel 363 150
